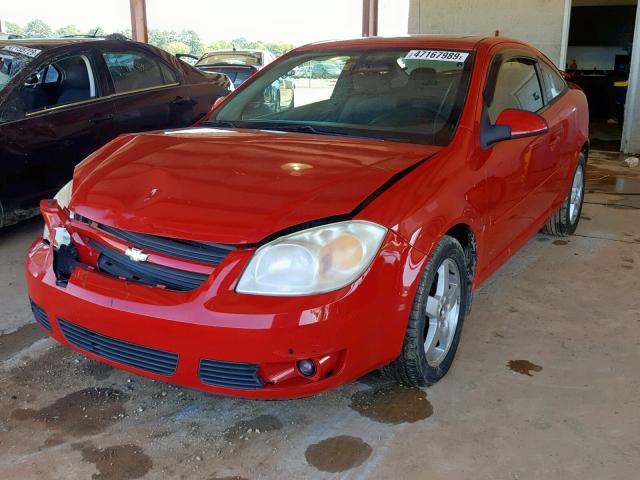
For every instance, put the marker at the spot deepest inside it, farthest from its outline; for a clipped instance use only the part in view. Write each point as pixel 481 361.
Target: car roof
pixel 46 43
pixel 237 50
pixel 462 42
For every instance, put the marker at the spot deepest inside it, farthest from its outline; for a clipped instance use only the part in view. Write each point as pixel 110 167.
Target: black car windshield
pixel 11 63
pixel 405 95
pixel 234 58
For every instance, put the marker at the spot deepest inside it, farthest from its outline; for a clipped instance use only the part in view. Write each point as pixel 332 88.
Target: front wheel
pixel 439 309
pixel 564 221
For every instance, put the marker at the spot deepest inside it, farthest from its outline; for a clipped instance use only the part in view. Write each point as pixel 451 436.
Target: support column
pixel 369 18
pixel 139 31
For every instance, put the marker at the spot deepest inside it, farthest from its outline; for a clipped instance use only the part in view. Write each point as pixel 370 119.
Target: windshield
pixel 11 63
pixel 401 95
pixel 234 58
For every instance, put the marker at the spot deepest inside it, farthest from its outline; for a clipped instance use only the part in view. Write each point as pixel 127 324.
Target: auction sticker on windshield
pixel 442 55
pixel 29 52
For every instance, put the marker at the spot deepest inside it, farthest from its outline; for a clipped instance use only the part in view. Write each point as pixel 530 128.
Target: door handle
pixel 98 119
pixel 181 101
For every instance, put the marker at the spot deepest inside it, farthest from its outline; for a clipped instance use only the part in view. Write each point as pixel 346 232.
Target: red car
pixel 276 254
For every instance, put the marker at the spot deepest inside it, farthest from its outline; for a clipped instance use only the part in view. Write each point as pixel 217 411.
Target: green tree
pixel 14 28
pixel 37 29
pixel 177 47
pixel 68 31
pixel 192 39
pixel 96 31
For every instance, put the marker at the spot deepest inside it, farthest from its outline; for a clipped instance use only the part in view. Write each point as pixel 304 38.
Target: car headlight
pixel 317 260
pixel 64 198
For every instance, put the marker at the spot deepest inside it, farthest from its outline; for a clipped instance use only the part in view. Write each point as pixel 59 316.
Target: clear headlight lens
pixel 320 259
pixel 64 198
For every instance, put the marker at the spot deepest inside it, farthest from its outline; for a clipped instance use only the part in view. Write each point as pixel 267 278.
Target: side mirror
pixel 511 124
pixel 522 123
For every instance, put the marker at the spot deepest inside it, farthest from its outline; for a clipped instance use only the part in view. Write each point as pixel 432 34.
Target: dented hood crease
pixel 232 186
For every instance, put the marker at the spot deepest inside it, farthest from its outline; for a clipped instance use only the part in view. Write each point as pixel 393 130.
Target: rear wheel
pixel 433 332
pixel 564 221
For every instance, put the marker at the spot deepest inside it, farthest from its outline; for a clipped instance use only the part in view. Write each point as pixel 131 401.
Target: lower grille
pixel 119 265
pixel 242 376
pixel 144 358
pixel 41 316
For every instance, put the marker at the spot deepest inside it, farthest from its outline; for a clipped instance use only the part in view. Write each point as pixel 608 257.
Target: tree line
pixel 184 41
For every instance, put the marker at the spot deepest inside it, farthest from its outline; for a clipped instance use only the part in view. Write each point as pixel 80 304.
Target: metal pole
pixel 369 18
pixel 139 30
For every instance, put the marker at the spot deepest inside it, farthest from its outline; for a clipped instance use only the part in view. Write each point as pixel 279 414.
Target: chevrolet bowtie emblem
pixel 136 254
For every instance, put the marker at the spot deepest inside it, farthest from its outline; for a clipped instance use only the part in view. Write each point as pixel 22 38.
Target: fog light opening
pixel 306 367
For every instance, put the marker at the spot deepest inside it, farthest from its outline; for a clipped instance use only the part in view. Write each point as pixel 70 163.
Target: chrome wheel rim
pixel 576 195
pixel 442 312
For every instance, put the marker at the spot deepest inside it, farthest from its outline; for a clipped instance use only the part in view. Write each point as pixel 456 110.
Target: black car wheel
pixel 564 221
pixel 439 309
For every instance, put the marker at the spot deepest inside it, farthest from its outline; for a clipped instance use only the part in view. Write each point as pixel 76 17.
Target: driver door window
pixel 66 81
pixel 517 86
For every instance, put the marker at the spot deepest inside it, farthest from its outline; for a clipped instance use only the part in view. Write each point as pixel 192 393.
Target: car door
pixel 55 118
pixel 515 169
pixel 562 137
pixel 146 91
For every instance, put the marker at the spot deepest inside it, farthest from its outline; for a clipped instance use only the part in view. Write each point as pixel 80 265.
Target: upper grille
pixel 119 265
pixel 210 253
pixel 41 316
pixel 144 358
pixel 230 374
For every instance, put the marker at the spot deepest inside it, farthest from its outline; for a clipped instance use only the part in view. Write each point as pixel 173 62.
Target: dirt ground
pixel 545 385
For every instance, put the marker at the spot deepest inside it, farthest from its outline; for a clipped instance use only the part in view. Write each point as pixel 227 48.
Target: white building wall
pixel 538 22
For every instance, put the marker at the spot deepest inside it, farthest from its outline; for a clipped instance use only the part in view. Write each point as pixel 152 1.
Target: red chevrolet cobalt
pixel 278 251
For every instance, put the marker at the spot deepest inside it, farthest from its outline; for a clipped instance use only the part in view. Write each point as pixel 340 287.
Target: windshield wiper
pixel 220 123
pixel 301 128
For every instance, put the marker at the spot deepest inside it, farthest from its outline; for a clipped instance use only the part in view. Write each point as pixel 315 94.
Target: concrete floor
pixel 565 315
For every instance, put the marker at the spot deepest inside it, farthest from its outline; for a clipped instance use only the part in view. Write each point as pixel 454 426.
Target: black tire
pixel 560 224
pixel 411 368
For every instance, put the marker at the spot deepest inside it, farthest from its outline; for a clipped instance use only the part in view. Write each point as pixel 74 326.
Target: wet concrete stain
pixel 393 404
pixel 98 370
pixel 120 462
pixel 627 259
pixel 584 217
pixel 560 242
pixel 47 368
pixel 513 309
pixel 233 477
pixel 255 426
pixel 524 367
pixel 627 266
pixel 84 412
pixel 23 337
pixel 338 454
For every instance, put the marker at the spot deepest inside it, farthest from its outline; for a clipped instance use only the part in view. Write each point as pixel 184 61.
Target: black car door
pixel 147 92
pixel 53 119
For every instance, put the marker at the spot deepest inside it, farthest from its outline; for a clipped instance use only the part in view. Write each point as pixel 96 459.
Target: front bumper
pixel 130 326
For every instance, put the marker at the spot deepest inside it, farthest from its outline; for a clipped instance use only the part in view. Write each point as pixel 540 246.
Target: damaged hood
pixel 232 186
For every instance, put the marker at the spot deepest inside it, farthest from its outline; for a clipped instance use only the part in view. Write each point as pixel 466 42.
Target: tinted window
pixel 68 80
pixel 554 84
pixel 131 71
pixel 517 86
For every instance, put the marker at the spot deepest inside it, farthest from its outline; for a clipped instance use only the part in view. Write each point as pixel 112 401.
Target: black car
pixel 62 99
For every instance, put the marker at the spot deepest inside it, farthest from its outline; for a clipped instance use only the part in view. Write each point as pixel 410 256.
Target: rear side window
pixel 133 71
pixel 554 84
pixel 517 86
